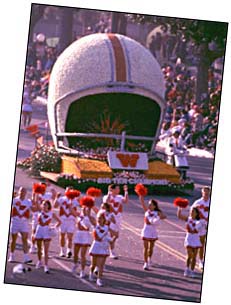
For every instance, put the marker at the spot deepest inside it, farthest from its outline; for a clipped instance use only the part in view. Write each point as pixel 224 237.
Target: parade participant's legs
pixel 190 261
pixel 46 244
pixel 83 257
pixel 146 252
pixel 150 251
pixel 24 236
pixel 100 263
pixel 33 242
pixel 115 236
pixel 12 246
pixel 201 251
pixel 92 267
pixel 69 244
pixel 39 251
pixel 62 244
pixel 76 257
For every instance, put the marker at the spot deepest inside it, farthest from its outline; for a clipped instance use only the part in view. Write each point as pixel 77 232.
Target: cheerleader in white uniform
pixel 43 233
pixel 83 238
pixel 39 198
pixel 99 249
pixel 149 233
pixel 116 201
pixel 21 208
pixel 203 205
pixel 192 239
pixel 67 208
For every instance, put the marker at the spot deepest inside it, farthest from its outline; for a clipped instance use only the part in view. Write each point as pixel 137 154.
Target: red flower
pixel 39 188
pixel 94 192
pixel 181 202
pixel 71 194
pixel 141 190
pixel 87 201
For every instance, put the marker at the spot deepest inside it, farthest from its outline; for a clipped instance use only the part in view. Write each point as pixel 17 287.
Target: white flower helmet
pixel 101 64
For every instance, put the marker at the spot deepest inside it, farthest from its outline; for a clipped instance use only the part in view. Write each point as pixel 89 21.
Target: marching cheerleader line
pixel 77 226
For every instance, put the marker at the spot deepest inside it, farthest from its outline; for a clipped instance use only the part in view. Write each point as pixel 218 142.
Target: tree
pixel 119 23
pixel 203 33
pixel 37 12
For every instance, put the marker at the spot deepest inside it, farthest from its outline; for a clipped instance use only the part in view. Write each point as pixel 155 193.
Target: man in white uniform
pixel 20 214
pixel 203 205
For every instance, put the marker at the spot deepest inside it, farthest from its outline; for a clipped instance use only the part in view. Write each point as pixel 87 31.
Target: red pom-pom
pixel 71 194
pixel 87 201
pixel 181 202
pixel 141 190
pixel 94 192
pixel 39 188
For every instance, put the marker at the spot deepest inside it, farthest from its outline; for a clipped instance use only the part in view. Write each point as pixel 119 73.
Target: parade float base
pixel 82 173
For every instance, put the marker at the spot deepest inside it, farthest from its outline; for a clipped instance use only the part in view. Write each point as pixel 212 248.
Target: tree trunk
pixel 119 23
pixel 66 37
pixel 202 72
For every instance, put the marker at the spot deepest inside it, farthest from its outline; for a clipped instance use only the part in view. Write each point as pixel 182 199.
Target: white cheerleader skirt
pixel 82 238
pixel 149 232
pixel 19 225
pixel 192 240
pixel 67 225
pixel 99 248
pixel 43 233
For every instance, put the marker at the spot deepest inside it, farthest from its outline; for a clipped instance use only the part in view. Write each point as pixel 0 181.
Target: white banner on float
pixel 127 160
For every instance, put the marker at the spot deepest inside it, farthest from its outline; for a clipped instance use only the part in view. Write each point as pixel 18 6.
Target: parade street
pixel 124 276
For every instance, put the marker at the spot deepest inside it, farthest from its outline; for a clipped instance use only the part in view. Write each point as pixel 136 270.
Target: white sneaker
pixel 82 274
pixel 96 270
pixel 38 265
pixel 150 262
pixel 27 259
pixel 113 255
pixel 46 269
pixel 33 249
pixel 62 254
pixel 99 283
pixel 187 273
pixel 11 258
pixel 201 265
pixel 74 268
pixel 145 267
pixel 91 277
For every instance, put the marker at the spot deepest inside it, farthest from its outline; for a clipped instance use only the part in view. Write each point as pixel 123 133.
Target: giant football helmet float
pixel 103 64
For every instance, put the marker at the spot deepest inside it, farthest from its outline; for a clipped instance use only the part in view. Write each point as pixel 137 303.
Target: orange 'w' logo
pixel 128 160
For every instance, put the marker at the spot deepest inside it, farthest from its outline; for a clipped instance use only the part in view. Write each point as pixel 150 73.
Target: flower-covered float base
pixel 84 172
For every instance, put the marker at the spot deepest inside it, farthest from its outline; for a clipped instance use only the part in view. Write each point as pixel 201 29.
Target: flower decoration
pixel 94 192
pixel 141 190
pixel 71 194
pixel 39 188
pixel 181 202
pixel 87 201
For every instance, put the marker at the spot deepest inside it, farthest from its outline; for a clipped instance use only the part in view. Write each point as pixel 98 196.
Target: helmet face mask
pixel 90 78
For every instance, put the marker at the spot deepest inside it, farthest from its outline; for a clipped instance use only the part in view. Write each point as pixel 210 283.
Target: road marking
pixel 159 244
pixel 65 267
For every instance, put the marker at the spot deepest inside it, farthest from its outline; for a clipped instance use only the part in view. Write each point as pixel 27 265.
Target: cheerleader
pixel 116 201
pixel 99 249
pixel 192 239
pixel 67 213
pixel 20 214
pixel 83 239
pixel 38 198
pixel 203 205
pixel 149 234
pixel 43 232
